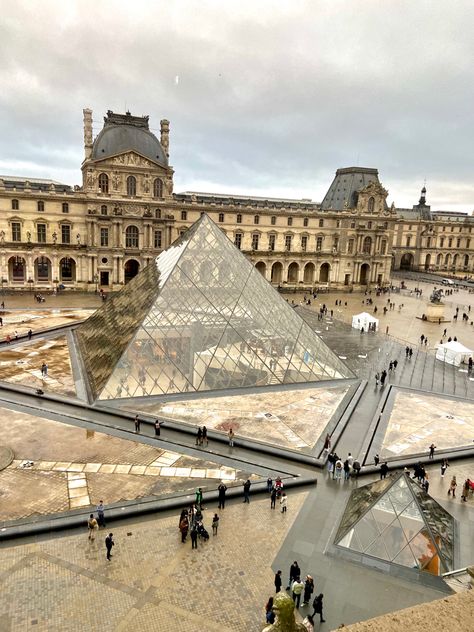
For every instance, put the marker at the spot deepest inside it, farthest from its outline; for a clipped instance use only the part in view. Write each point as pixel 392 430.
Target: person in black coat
pixel 318 607
pixel 222 490
pixel 383 470
pixel 277 581
pixel 294 573
pixel 308 589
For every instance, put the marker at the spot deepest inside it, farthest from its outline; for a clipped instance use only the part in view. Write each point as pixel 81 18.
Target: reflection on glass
pixel 419 536
pixel 200 317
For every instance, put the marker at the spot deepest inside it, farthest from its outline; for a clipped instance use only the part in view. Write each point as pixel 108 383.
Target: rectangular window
pixel 157 240
pixel 287 242
pixel 238 240
pixel 336 243
pixel 441 242
pixel 16 231
pixel 65 207
pixel 383 247
pixel 350 246
pixel 319 243
pixel 450 243
pixel 289 221
pixel 305 221
pixel 255 239
pixel 458 242
pixel 468 243
pixel 65 234
pixel 273 220
pixel 304 243
pixel 239 218
pixel 221 217
pixel 104 236
pixel 408 240
pixel 321 223
pixel 41 233
pixel 428 242
pixel 271 242
pixel 184 215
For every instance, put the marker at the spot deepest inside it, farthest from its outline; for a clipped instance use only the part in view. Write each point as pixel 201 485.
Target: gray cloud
pixel 272 97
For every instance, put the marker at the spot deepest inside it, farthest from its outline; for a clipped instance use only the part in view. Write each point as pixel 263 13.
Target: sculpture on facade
pixel 116 180
pixel 284 608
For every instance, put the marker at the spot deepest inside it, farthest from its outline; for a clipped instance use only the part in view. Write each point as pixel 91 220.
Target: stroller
pixel 201 531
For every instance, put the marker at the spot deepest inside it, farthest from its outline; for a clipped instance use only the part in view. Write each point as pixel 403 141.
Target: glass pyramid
pixel 199 317
pixel 394 520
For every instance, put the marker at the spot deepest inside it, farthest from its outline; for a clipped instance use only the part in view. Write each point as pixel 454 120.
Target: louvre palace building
pixel 100 234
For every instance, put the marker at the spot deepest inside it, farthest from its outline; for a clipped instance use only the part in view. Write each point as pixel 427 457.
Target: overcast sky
pixel 264 98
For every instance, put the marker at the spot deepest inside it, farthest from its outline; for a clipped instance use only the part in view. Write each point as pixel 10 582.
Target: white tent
pixel 365 321
pixel 453 353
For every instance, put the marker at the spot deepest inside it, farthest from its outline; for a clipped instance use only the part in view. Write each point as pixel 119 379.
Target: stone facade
pixel 101 233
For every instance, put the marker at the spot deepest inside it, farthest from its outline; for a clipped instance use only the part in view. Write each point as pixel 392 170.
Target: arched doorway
pixel 324 273
pixel 17 269
pixel 455 261
pixel 308 275
pixel 466 261
pixel 427 262
pixel 277 272
pixel 406 262
pixel 447 260
pixel 262 268
pixel 131 269
pixel 67 270
pixel 439 260
pixel 293 272
pixel 364 274
pixel 42 270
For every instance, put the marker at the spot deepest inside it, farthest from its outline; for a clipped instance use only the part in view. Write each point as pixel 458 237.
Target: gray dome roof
pixel 117 139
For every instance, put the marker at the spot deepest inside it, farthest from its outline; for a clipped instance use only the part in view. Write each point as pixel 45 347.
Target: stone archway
pixel 67 270
pixel 17 269
pixel 364 278
pixel 293 272
pixel 308 274
pixel 439 260
pixel 427 261
pixel 42 269
pixel 262 268
pixel 277 272
pixel 324 271
pixel 406 262
pixel 131 268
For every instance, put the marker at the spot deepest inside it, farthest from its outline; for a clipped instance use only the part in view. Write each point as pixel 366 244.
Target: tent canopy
pixel 453 353
pixel 366 321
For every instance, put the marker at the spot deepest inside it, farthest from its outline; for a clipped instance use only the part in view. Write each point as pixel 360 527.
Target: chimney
pixel 165 136
pixel 87 133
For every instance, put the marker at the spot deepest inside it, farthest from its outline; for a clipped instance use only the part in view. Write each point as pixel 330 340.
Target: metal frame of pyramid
pixel 395 520
pixel 199 317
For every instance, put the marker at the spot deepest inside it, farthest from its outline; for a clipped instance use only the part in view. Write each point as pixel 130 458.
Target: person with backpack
pixel 318 607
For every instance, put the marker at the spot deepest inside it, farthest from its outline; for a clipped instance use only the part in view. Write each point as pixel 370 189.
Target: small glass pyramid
pixel 394 520
pixel 199 317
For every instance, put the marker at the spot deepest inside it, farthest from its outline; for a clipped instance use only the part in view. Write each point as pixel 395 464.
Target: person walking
pixel 137 424
pixel 376 460
pixel 184 527
pixel 465 490
pixel 269 614
pixel 194 537
pixel 338 469
pixel 377 379
pixel 199 436
pixel 356 467
pixel 100 514
pixel 347 470
pixel 92 527
pixel 109 543
pixel 452 487
pixel 318 607
pixel 294 573
pixel 383 377
pixel 308 589
pixel 297 588
pixel 432 450
pixel 444 467
pixel 215 524
pixel 198 500
pixel 157 428
pixel 222 490
pixel 247 491
pixel 30 334
pixel 283 502
pixel 383 470
pixel 230 435
pixel 273 497
pixel 277 581
pixel 269 485
pixel 204 436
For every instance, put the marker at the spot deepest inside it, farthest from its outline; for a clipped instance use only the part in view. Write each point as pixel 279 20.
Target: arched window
pixel 321 223
pixel 305 221
pixel 371 205
pixel 273 220
pixel 103 209
pixel 157 188
pixel 40 205
pixel 131 237
pixel 367 245
pixel 104 183
pixel 131 186
pixel 15 205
